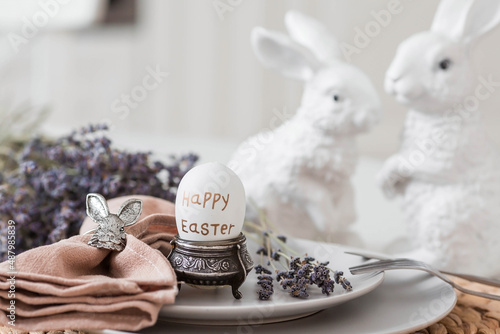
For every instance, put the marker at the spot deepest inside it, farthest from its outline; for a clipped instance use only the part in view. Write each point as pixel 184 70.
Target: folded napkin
pixel 70 284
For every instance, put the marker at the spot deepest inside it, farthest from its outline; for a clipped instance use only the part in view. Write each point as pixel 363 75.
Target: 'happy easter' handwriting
pixel 206 228
pixel 208 198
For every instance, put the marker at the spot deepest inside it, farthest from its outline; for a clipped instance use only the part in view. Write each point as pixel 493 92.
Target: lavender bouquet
pixel 43 183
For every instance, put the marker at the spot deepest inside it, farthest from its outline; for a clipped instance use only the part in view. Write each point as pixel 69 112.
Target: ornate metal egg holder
pixel 210 264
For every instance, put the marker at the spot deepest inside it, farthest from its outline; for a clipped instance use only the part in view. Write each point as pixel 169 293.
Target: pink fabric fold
pixel 71 285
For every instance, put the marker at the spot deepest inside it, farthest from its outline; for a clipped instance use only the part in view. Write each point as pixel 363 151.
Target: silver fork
pixel 383 265
pixel 472 278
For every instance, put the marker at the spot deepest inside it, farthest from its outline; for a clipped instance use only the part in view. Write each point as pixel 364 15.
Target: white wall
pixel 215 87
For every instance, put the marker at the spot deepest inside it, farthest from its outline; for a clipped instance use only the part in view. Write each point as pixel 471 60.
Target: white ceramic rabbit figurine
pixel 447 171
pixel 300 174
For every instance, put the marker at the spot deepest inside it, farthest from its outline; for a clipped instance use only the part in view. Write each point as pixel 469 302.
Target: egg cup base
pixel 211 264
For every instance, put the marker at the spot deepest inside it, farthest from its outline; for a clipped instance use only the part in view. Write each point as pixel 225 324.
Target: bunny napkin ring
pixel 110 232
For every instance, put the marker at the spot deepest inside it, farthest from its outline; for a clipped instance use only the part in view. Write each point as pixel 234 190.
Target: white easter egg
pixel 210 204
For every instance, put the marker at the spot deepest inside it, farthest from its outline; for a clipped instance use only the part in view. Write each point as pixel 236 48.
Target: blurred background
pixel 170 75
pixel 81 58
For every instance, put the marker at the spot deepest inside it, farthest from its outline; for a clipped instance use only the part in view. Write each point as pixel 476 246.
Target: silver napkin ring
pixel 110 232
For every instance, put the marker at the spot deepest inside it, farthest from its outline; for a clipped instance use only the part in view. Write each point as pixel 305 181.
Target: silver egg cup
pixel 211 264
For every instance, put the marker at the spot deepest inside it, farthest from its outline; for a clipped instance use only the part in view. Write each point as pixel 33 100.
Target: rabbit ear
pixel 450 17
pixel 314 35
pixel 277 51
pixel 483 16
pixel 97 208
pixel 466 20
pixel 130 211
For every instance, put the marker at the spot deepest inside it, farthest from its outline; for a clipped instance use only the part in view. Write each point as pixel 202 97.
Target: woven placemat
pixel 471 315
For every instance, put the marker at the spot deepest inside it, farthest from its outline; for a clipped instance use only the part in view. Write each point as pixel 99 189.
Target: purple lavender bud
pixel 266 286
pixel 346 284
pixel 27 167
pixel 294 263
pixel 337 275
pixel 308 259
pixel 281 275
pixel 262 250
pixel 22 218
pixel 282 238
pixel 259 269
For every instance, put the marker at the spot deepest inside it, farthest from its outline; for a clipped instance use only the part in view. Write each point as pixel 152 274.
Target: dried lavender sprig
pixel 266 286
pixel 301 273
pixel 265 281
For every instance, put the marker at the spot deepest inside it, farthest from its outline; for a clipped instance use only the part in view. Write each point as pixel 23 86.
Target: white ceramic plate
pixel 209 307
pixel 405 302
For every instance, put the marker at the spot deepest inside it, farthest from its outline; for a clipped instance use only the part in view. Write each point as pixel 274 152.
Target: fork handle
pixel 473 278
pixel 363 269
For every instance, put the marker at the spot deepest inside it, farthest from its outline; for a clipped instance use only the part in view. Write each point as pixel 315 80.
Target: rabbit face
pixel 110 232
pixel 340 99
pixel 430 72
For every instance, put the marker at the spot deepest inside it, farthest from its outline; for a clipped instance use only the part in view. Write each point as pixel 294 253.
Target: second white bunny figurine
pixel 300 174
pixel 447 171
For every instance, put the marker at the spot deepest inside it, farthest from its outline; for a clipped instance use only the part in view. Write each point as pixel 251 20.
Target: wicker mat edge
pixel 471 315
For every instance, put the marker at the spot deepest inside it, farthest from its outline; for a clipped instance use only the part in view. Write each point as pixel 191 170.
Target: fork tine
pixel 388 265
pixel 365 268
pixel 376 265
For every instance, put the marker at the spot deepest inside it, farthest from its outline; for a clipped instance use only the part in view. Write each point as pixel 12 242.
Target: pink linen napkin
pixel 71 285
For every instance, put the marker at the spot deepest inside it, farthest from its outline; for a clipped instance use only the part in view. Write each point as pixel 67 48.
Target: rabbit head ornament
pixel 110 232
pixel 446 171
pixel 338 97
pixel 432 69
pixel 300 177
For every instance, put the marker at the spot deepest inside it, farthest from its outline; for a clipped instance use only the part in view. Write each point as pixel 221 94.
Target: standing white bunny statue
pixel 447 171
pixel 300 177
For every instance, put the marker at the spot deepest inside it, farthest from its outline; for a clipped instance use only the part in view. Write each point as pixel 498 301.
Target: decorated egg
pixel 210 204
